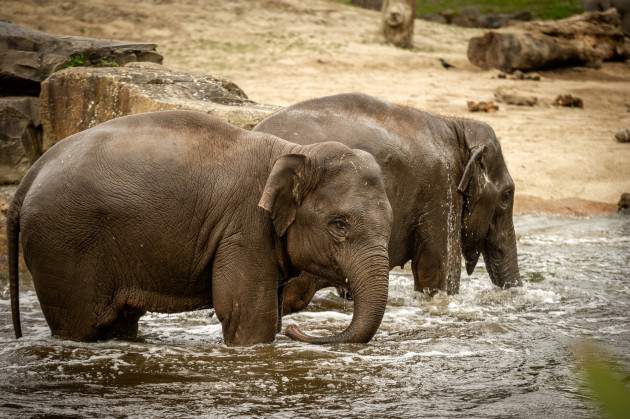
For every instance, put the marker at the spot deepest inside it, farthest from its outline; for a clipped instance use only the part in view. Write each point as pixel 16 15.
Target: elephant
pixel 174 211
pixel 622 6
pixel 446 180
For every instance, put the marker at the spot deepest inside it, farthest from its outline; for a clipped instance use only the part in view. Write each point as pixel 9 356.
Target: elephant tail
pixel 13 234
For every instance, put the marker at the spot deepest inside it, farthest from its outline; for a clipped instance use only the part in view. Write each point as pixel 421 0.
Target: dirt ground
pixel 563 160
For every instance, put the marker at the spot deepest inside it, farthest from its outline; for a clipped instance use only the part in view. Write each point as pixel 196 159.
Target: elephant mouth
pixel 344 292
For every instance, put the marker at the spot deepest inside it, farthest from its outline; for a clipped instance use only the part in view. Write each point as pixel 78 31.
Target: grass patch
pixel 75 60
pixel 542 9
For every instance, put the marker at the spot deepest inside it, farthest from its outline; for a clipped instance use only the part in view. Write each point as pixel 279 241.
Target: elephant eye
pixel 339 226
pixel 506 197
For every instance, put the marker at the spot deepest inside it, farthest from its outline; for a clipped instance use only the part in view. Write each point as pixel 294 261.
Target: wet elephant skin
pixel 446 180
pixel 177 210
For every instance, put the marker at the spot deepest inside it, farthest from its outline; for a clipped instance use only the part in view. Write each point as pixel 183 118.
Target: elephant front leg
pixel 281 289
pixel 436 261
pixel 245 298
pixel 299 292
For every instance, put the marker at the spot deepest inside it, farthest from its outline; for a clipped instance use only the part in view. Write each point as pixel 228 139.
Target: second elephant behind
pixel 446 180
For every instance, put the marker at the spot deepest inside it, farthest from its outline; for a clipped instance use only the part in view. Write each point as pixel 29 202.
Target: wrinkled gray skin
pixel 175 211
pixel 446 181
pixel 622 6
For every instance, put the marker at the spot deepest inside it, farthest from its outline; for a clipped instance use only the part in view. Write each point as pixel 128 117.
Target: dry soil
pixel 563 160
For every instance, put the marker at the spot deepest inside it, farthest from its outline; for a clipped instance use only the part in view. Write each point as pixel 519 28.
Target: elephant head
pixel 330 207
pixel 488 190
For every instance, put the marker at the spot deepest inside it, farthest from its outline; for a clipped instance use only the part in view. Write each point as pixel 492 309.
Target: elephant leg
pixel 245 296
pixel 280 303
pixel 436 260
pixel 66 298
pixel 298 293
pixel 125 326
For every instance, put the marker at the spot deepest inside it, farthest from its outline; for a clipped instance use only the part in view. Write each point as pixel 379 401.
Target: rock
pixel 519 75
pixel 434 17
pixel 368 4
pixel 569 101
pixel 585 39
pixel 622 6
pixel 20 136
pixel 470 17
pixel 28 57
pixel 624 202
pixel 78 98
pixel 514 99
pixel 623 135
pixel 482 106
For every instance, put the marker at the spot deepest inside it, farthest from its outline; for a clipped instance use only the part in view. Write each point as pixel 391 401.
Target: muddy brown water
pixel 484 353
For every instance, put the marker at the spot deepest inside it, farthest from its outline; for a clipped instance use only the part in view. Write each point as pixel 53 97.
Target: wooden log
pixel 585 39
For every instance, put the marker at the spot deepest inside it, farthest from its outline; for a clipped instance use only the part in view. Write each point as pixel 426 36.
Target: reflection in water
pixel 483 353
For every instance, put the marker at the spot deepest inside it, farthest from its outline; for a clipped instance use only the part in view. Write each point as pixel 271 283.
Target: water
pixel 484 353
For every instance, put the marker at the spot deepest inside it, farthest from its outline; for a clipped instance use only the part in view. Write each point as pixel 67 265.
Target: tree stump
pixel 397 21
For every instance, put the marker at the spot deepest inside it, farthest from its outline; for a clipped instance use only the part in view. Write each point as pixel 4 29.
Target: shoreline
pixel 578 207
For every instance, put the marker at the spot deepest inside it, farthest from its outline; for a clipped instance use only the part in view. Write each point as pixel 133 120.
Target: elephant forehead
pixel 351 177
pixel 353 166
pixel 358 196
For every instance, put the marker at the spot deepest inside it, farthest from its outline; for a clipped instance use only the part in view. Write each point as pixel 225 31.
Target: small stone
pixel 623 135
pixel 569 101
pixel 482 106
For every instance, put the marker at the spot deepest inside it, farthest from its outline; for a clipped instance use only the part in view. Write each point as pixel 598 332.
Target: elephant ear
pixel 474 178
pixel 285 189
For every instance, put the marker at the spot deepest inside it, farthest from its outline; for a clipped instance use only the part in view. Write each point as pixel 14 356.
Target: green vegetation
pixel 75 61
pixel 104 63
pixel 543 9
pixel 534 277
pixel 607 384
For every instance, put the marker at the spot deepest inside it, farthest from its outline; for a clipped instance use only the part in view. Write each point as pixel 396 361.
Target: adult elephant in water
pixel 177 211
pixel 446 180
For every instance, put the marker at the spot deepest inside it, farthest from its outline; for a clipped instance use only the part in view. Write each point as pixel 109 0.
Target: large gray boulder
pixel 28 56
pixel 586 39
pixel 78 98
pixel 20 136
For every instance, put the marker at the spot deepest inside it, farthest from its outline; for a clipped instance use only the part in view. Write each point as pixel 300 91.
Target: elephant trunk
pixel 500 257
pixel 368 288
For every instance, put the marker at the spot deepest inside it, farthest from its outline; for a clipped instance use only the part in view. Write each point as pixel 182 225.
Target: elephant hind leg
pixel 72 323
pixel 80 326
pixel 66 309
pixel 125 326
